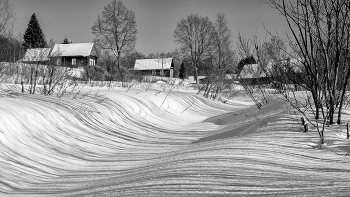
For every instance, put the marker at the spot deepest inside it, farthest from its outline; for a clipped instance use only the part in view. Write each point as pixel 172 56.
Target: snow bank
pixel 139 143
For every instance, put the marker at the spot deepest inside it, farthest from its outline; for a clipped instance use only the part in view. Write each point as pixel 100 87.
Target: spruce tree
pixel 182 71
pixel 34 36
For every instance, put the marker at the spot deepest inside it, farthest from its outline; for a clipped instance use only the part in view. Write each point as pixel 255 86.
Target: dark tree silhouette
pixel 65 40
pixel 34 36
pixel 182 71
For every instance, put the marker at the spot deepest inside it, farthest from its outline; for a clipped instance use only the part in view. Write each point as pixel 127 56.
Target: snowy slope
pixel 150 143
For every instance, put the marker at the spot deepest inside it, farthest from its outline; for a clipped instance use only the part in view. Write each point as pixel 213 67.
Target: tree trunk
pixel 343 96
pixel 22 86
pixel 50 81
pixel 317 105
pixel 196 74
pixel 331 116
pixel 120 75
pixel 31 80
pixel 341 106
pixel 35 79
pixel 206 89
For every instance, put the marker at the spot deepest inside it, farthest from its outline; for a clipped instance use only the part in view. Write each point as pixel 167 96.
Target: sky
pixel 156 19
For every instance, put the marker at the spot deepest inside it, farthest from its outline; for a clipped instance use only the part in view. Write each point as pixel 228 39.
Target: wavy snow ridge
pixel 130 146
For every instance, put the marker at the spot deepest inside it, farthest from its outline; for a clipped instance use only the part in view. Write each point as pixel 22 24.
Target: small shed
pixel 75 54
pixel 155 67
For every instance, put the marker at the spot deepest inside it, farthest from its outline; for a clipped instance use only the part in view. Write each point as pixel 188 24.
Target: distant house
pixel 200 79
pixel 74 55
pixel 253 74
pixel 155 67
pixel 36 56
pixel 204 79
pixel 251 71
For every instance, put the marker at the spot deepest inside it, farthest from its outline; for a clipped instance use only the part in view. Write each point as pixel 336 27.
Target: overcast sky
pixel 156 19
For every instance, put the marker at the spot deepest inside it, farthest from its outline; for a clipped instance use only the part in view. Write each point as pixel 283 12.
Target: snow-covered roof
pixel 74 49
pixel 153 64
pixel 295 64
pixel 35 55
pixel 252 71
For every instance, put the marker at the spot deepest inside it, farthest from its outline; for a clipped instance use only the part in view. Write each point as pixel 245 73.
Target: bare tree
pixel 116 30
pixel 7 18
pixel 244 47
pixel 222 46
pixel 248 70
pixel 195 35
pixel 321 38
pixel 221 59
pixel 8 45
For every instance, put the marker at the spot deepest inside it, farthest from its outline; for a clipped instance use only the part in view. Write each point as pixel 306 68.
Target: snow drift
pixel 141 143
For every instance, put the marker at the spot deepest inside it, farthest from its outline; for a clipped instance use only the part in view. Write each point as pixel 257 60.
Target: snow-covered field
pixel 122 142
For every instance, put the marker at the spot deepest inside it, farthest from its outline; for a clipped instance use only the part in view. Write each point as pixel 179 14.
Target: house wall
pixel 80 61
pixel 166 72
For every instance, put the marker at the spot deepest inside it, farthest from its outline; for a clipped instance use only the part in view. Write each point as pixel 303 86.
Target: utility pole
pixel 161 76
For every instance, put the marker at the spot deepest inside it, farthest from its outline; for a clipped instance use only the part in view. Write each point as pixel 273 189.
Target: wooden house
pixel 74 55
pixel 154 67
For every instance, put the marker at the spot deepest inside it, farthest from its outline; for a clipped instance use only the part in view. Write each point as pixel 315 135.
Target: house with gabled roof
pixel 68 55
pixel 253 74
pixel 75 54
pixel 154 67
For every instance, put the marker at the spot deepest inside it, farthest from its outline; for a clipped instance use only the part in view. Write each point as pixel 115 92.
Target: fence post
pixel 305 127
pixel 304 124
pixel 347 130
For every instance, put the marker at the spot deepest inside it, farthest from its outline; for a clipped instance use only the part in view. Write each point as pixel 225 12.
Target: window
pixel 74 61
pixel 92 62
pixel 153 72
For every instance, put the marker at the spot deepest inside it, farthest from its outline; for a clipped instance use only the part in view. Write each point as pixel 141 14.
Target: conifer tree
pixel 182 71
pixel 34 36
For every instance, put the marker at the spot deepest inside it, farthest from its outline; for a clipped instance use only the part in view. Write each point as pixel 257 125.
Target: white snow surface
pixel 140 143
